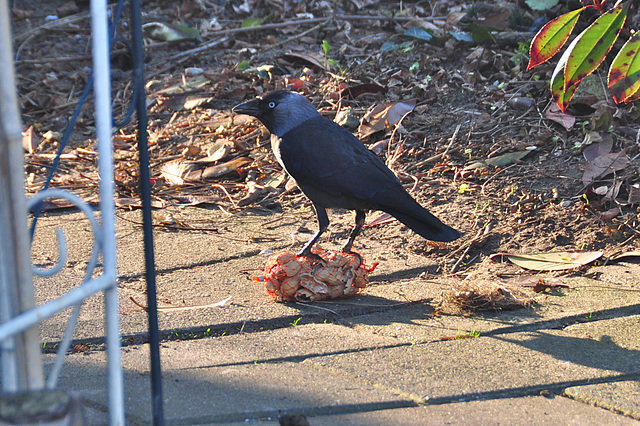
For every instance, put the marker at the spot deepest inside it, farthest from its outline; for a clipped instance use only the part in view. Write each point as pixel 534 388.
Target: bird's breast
pixel 275 148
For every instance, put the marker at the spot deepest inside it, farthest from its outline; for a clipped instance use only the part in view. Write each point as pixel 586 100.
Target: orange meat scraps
pixel 288 277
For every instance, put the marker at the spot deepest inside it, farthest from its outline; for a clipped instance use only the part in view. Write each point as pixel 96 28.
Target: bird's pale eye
pixel 272 105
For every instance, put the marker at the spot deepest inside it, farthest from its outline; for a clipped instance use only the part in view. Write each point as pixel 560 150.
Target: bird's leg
pixel 360 216
pixel 323 224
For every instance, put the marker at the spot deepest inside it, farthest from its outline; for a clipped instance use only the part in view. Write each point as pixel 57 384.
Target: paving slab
pixel 538 410
pixel 619 397
pixel 230 379
pixel 380 358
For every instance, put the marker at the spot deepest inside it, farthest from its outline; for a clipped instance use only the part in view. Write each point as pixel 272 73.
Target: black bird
pixel 334 169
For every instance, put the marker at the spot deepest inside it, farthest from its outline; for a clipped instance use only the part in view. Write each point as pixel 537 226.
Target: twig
pixel 223 189
pixel 302 34
pixel 316 307
pixel 493 176
pixel 480 236
pixel 184 308
pixel 198 49
pixel 437 156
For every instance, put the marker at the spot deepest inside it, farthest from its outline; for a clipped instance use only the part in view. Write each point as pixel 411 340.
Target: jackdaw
pixel 334 169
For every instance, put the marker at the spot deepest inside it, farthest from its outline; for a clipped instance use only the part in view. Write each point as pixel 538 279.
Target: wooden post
pixel 21 357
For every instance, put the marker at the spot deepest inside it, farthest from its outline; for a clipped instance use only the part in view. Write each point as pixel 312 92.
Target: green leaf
pixel 624 74
pixel 460 36
pixel 388 46
pixel 560 95
pixel 254 22
pixel 554 261
pixel 171 33
pixel 326 47
pixel 541 4
pixel 550 39
pixel 418 33
pixel 481 33
pixel 593 44
pixel 499 161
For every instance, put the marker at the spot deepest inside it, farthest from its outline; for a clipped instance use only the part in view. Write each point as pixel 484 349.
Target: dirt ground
pixel 474 103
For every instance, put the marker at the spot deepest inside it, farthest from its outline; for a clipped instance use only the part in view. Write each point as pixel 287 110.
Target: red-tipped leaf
pixel 550 39
pixel 593 44
pixel 624 74
pixel 561 94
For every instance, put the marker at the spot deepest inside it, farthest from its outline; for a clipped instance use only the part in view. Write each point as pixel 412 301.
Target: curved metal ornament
pixel 62 246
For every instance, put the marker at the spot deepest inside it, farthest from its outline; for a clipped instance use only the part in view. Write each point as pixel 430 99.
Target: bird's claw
pixel 306 252
pixel 347 249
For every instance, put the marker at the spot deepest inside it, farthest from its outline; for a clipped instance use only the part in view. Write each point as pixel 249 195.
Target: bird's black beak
pixel 250 108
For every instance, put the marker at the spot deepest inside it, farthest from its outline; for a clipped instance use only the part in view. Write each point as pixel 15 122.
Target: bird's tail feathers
pixel 425 224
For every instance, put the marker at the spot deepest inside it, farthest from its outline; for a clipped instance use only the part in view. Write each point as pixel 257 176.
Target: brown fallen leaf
pixel 554 113
pixel 353 92
pixel 595 150
pixel 604 165
pixel 610 214
pixel 385 116
pixel 617 256
pixel 538 284
pixel 552 261
pixel 30 141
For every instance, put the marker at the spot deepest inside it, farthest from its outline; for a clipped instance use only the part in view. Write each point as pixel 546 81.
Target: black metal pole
pixel 145 196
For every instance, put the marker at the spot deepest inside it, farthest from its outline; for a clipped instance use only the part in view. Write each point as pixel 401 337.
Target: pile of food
pixel 288 277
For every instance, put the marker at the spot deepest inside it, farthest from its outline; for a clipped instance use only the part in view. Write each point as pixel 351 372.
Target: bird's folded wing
pixel 322 154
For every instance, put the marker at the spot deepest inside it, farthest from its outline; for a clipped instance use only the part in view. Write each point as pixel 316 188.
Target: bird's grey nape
pixel 293 109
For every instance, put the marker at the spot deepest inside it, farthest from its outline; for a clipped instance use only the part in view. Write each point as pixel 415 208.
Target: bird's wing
pixel 324 155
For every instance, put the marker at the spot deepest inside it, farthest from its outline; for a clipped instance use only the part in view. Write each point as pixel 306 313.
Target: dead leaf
pixel 81 348
pixel 30 141
pixel 590 137
pixel 500 160
pixel 68 8
pixel 604 165
pixel 553 261
pixel 385 116
pixel 219 150
pixel 634 194
pixel 353 92
pixel 617 256
pixel 191 151
pixel 213 172
pixel 610 214
pixel 194 200
pixel 537 283
pixel 379 146
pixel 553 113
pixel 595 150
pixel 315 60
pixel 128 202
pixel 22 13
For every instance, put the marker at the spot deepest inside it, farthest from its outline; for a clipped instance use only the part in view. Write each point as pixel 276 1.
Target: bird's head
pixel 279 111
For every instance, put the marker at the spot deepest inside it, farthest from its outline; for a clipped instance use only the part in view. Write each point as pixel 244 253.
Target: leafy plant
pixel 468 335
pixel 587 52
pixel 326 47
pixel 521 53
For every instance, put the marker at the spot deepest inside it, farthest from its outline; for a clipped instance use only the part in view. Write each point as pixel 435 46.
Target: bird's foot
pixel 347 249
pixel 306 252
